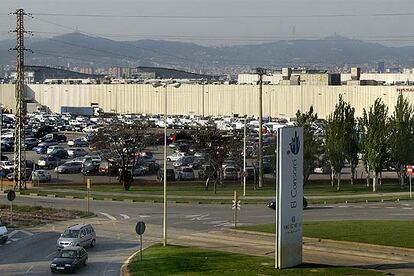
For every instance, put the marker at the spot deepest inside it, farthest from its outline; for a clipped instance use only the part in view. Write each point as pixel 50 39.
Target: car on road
pixel 41 176
pixel 139 171
pixel 3 232
pixel 49 162
pixel 30 143
pixel 69 167
pixel 272 204
pixel 48 143
pixel 77 235
pixel 69 259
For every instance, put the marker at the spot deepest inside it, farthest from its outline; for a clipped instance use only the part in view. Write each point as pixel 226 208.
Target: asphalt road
pixel 30 252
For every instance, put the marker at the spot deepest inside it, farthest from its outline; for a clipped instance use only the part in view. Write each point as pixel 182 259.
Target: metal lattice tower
pixel 19 131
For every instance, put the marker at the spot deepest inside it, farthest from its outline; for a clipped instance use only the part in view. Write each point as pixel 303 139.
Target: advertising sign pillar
pixel 289 198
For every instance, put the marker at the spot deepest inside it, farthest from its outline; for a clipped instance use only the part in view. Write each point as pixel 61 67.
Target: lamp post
pixel 260 72
pixel 164 224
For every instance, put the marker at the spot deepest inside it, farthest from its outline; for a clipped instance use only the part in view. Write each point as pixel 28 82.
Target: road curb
pixel 124 268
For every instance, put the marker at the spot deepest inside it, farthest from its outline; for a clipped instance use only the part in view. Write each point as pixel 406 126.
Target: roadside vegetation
pixel 178 260
pixel 26 216
pixel 389 233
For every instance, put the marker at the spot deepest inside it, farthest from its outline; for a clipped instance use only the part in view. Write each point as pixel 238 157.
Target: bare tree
pixel 121 143
pixel 218 145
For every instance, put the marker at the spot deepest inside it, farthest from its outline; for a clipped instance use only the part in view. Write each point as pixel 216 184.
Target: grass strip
pixel 189 261
pixel 389 233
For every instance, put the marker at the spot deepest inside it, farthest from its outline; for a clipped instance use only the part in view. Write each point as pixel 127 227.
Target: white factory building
pixel 294 92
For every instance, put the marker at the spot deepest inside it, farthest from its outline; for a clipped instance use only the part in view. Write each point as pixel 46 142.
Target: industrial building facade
pixel 278 100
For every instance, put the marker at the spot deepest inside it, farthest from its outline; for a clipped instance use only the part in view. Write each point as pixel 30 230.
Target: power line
pixel 264 16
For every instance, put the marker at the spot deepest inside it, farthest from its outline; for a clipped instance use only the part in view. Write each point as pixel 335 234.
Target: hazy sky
pixel 219 22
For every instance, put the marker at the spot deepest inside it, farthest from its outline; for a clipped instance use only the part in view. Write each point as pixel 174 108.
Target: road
pixel 30 252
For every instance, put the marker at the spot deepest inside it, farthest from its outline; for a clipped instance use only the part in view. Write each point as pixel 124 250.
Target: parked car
pixel 139 171
pixel 3 232
pixel 183 161
pixel 59 153
pixel 30 143
pixel 49 162
pixel 26 175
pixel 40 149
pixel 41 176
pixel 7 165
pixel 78 142
pixel 170 175
pixel 206 171
pixel 77 235
pixel 76 152
pixel 108 167
pixel 175 156
pixel 48 143
pixel 186 173
pixel 70 167
pixel 272 204
pixel 52 148
pixel 90 168
pixel 69 259
pixel 230 173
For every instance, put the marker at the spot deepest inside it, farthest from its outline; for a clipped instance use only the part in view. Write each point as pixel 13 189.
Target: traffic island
pixel 27 216
pixel 180 260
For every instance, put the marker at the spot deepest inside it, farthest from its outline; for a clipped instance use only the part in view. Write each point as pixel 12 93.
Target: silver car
pixel 69 167
pixel 77 235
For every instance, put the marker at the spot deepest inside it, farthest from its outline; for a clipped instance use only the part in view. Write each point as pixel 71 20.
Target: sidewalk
pixel 395 260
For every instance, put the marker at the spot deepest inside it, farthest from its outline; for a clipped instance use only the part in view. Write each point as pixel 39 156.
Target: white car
pixel 175 156
pixel 77 152
pixel 7 165
pixel 41 176
pixel 52 148
pixel 186 173
pixel 3 232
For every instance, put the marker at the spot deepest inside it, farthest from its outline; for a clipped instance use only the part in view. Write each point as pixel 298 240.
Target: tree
pixel 401 140
pixel 312 148
pixel 218 145
pixel 121 143
pixel 352 139
pixel 335 137
pixel 376 138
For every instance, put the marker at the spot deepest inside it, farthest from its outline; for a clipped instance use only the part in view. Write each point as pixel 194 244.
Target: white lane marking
pixel 143 216
pixel 373 207
pixel 12 233
pixel 26 232
pixel 407 208
pixel 108 216
pixel 27 271
pixel 8 242
pixel 124 216
pixel 215 222
pixel 14 240
pixel 358 207
pixel 390 207
pixel 48 256
pixel 342 206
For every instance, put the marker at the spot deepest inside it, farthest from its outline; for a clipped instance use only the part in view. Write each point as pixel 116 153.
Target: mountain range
pixel 77 49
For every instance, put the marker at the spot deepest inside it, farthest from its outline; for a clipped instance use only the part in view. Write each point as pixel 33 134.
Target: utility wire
pixel 226 16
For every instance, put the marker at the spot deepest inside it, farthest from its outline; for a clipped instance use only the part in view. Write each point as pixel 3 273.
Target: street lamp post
pixel 164 224
pixel 260 72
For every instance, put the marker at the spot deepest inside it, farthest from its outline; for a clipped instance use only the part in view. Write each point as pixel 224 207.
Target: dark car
pixel 90 168
pixel 42 131
pixel 59 153
pixel 69 259
pixel 272 204
pixel 170 175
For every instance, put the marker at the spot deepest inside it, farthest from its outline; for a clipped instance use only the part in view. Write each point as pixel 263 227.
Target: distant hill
pixel 82 50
